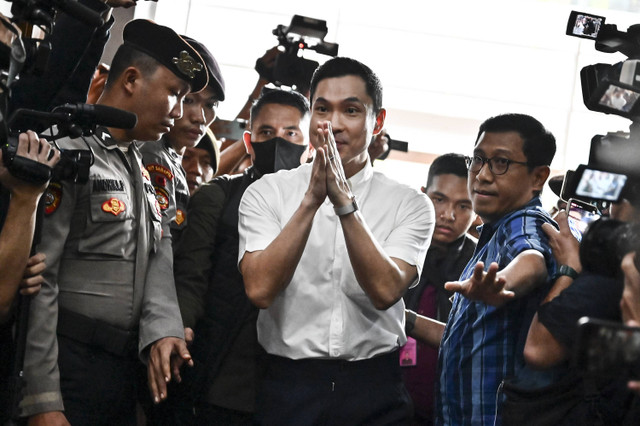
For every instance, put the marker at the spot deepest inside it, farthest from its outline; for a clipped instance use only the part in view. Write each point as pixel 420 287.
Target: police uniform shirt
pixel 170 182
pixel 108 258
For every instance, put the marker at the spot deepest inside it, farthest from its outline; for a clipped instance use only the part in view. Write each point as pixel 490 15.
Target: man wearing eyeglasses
pixel 509 274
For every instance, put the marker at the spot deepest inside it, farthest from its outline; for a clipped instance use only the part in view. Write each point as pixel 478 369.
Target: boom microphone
pixel 79 12
pixel 100 115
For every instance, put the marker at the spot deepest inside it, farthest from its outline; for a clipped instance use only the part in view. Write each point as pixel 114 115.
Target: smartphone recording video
pixel 584 25
pixel 608 349
pixel 580 215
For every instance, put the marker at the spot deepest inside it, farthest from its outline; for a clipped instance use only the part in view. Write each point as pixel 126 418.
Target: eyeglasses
pixel 497 165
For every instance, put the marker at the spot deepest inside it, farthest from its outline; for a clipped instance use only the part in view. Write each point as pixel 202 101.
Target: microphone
pixel 99 115
pixel 80 12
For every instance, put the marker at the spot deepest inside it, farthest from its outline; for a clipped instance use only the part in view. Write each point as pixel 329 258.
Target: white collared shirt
pixel 323 312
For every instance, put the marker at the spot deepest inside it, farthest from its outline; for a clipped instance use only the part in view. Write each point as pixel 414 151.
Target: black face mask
pixel 276 154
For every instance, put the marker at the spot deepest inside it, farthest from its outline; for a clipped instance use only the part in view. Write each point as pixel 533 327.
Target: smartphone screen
pixel 608 349
pixel 580 215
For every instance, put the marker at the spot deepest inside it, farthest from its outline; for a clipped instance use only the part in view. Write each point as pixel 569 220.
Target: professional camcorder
pixel 21 56
pixel 290 68
pixel 612 171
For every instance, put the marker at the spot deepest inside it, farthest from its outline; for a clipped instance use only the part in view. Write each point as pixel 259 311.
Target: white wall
pixel 445 66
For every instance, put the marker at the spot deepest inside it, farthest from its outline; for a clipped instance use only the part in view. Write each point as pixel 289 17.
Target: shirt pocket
pixel 110 229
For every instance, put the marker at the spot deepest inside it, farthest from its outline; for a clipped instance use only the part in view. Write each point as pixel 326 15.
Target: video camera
pixel 290 68
pixel 612 171
pixel 23 56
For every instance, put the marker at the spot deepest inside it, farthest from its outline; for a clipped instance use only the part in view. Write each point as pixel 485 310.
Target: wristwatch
pixel 409 320
pixel 347 209
pixel 566 270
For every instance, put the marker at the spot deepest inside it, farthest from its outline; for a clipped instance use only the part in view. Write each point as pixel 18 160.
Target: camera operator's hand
pixel 52 418
pixel 35 149
pixel 264 65
pixel 630 303
pixel 565 247
pixel 32 280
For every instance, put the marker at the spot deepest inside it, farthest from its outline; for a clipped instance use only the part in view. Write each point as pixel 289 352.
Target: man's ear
pixel 246 138
pixel 382 114
pixel 540 176
pixel 130 79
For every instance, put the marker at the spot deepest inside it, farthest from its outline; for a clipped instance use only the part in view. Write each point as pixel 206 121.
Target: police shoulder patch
pixel 52 198
pixel 162 196
pixel 159 168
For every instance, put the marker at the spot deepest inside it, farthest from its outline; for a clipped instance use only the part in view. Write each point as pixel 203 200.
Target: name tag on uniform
pixel 408 353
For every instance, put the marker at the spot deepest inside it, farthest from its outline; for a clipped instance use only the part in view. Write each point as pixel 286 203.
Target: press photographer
pixel 589 282
pixel 18 204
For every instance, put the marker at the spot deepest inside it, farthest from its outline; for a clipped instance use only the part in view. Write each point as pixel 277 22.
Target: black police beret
pixel 215 76
pixel 167 47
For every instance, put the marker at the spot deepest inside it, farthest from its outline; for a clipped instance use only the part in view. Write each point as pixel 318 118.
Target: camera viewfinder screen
pixel 600 185
pixel 619 98
pixel 584 25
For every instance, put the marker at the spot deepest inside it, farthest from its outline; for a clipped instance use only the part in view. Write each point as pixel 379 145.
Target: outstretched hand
pixel 486 287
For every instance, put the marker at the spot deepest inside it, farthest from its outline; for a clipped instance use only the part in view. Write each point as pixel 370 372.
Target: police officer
pixel 163 160
pixel 109 294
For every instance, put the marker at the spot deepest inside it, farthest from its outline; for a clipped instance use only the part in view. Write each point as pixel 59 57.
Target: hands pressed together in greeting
pixel 327 175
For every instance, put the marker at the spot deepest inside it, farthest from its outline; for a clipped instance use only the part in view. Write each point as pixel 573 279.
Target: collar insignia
pixel 187 65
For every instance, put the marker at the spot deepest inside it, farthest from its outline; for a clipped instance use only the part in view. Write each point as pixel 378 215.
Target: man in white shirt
pixel 327 251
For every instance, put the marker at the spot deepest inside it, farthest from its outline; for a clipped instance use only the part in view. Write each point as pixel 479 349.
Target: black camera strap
pixel 29 170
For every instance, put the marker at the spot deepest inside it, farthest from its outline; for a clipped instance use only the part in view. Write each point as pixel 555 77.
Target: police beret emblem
pixel 187 65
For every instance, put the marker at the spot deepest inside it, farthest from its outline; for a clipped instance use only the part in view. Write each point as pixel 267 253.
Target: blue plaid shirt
pixel 483 344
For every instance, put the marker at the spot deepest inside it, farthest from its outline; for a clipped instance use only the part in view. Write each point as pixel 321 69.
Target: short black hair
pixel 539 144
pixel 127 56
pixel 341 67
pixel 604 244
pixel 447 164
pixel 280 97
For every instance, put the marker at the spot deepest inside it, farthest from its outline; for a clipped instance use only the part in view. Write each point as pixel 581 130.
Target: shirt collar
pixel 363 176
pixel 486 230
pixel 105 139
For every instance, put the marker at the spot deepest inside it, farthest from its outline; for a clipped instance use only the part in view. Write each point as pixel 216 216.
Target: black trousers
pixel 98 388
pixel 333 392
